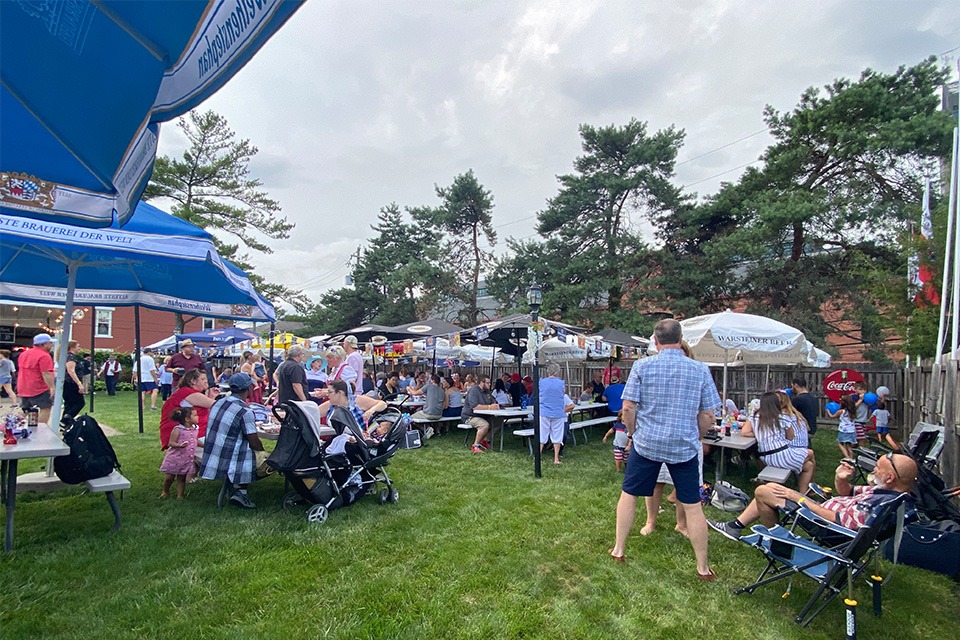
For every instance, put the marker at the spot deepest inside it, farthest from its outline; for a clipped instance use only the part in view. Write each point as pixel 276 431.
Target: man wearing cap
pixel 354 360
pixel 35 381
pixel 228 449
pixel 182 362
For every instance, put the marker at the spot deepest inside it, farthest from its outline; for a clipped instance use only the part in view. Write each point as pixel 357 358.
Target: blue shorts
pixel 5 379
pixel 883 430
pixel 847 438
pixel 148 386
pixel 640 478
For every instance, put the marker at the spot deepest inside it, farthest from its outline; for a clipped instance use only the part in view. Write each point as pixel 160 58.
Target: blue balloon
pixel 788 392
pixel 833 407
pixel 870 398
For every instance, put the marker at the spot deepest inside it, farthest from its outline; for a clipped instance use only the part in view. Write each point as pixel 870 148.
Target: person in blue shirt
pixel 553 411
pixel 613 396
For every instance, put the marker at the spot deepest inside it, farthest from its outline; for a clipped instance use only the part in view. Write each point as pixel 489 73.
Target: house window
pixel 208 324
pixel 104 323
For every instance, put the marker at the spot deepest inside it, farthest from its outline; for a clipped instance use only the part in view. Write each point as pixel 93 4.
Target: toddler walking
pixel 847 430
pixel 621 441
pixel 178 462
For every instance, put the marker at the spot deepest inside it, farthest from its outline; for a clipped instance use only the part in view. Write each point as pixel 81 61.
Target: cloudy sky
pixel 356 104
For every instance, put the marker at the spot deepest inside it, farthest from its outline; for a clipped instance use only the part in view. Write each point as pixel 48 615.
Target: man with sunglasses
pixel 853 506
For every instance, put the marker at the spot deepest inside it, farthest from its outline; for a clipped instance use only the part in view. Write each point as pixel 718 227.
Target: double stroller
pixel 327 475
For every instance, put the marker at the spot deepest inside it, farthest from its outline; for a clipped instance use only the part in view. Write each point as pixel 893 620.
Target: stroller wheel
pixel 317 513
pixel 384 495
pixel 290 500
pixel 394 496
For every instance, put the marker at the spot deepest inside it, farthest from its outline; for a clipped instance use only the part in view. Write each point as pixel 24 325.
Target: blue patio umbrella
pixel 156 261
pixel 219 337
pixel 85 85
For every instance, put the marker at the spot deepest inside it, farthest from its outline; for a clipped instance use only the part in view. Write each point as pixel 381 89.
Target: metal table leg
pixel 3 481
pixel 720 463
pixel 116 511
pixel 10 501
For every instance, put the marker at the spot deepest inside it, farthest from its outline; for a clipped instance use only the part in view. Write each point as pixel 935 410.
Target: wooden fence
pixel 932 394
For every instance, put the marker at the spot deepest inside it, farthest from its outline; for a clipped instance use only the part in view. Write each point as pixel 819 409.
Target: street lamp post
pixel 535 299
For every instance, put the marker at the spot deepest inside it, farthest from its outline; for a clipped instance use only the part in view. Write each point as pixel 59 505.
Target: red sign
pixel 840 383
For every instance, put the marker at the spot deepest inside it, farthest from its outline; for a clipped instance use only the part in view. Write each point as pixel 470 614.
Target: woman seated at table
pixel 192 392
pixel 500 394
pixel 316 374
pixel 774 431
pixel 363 408
pixel 453 399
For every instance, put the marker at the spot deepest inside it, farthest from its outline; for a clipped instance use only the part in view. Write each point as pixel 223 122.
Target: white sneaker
pixel 428 433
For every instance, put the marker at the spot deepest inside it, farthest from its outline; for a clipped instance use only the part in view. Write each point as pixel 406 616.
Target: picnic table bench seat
pixel 107 485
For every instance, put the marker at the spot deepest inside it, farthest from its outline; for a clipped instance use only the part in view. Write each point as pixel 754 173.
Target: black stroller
pixel 326 480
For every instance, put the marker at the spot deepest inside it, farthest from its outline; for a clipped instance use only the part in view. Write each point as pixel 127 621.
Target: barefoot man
pixel 668 405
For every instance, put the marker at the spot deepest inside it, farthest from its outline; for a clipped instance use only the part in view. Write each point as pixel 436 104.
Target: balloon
pixel 788 392
pixel 833 407
pixel 870 398
pixel 883 391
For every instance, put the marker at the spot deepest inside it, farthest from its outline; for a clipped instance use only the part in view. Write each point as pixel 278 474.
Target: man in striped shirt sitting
pixel 852 508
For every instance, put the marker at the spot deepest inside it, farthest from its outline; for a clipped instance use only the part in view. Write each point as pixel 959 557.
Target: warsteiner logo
pixel 241 310
pixel 20 191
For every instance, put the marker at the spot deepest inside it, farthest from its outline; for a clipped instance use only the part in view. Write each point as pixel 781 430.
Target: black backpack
pixel 83 368
pixel 91 454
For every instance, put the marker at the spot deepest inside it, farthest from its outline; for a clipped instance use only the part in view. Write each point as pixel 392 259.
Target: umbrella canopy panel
pixel 224 336
pixel 85 84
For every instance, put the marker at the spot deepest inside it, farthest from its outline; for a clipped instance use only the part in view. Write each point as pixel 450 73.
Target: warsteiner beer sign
pixel 840 383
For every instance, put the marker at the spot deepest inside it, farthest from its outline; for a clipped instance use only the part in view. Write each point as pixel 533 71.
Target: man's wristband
pixel 801 500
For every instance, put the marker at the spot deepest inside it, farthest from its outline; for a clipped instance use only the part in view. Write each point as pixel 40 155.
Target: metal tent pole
pixel 270 364
pixel 136 361
pixel 57 408
pixel 93 351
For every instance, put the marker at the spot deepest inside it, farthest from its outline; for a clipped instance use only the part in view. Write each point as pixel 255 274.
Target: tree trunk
pixel 797 251
pixel 476 277
pixel 179 323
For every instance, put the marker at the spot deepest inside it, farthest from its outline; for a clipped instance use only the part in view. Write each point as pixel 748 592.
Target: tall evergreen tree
pixel 211 187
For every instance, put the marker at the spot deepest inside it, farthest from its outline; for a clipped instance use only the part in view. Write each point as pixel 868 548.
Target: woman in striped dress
pixel 788 414
pixel 774 433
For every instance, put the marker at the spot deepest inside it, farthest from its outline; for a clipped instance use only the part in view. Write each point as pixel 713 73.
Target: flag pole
pixel 955 301
pixel 947 255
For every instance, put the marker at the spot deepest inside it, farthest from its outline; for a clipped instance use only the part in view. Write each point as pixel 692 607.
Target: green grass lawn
pixel 475 548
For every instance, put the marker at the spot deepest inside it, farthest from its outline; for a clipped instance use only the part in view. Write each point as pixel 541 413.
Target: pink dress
pixel 179 461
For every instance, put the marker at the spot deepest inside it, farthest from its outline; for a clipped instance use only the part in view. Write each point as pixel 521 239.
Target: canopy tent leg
pixel 493 363
pixel 433 369
pixel 93 350
pixel 136 361
pixel 270 364
pixel 766 380
pixel 67 325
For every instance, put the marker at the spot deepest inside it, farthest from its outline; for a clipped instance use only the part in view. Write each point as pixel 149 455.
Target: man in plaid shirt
pixel 228 449
pixel 853 507
pixel 668 405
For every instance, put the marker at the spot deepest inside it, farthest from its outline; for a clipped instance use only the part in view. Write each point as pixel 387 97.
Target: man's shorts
pixel 640 478
pixel 148 386
pixel 420 415
pixel 40 401
pixel 477 422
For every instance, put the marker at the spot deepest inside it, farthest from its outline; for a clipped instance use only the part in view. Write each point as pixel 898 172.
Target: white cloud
pixel 356 104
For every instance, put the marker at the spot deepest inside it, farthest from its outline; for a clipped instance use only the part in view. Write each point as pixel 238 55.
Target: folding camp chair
pixel 833 559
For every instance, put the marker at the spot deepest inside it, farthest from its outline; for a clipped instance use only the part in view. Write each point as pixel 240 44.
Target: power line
pixel 717 175
pixel 729 144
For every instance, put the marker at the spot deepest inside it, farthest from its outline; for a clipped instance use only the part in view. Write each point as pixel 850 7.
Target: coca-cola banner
pixel 840 383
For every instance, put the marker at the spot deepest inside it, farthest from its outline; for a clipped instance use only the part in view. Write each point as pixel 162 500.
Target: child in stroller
pixel 327 477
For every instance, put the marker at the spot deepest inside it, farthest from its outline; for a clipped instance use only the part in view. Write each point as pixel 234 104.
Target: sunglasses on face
pixel 889 457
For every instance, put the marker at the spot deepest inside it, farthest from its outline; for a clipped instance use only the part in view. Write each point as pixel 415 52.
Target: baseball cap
pixel 240 381
pixel 186 343
pixel 42 338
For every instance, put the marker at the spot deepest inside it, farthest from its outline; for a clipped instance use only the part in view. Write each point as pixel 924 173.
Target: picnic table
pixel 272 434
pixel 42 443
pixel 737 442
pixel 502 416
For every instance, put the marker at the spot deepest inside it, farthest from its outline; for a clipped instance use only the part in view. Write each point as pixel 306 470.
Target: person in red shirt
pixel 184 361
pixel 609 373
pixel 35 380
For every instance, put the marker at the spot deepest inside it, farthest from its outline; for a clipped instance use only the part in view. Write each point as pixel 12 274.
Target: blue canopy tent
pixel 84 86
pixel 156 260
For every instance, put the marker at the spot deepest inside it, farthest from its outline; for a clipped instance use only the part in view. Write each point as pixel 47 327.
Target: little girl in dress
pixel 178 462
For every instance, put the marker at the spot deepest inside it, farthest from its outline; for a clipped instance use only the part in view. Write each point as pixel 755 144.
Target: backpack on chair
pixel 91 454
